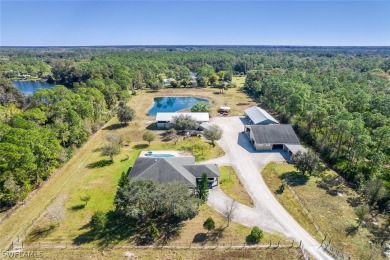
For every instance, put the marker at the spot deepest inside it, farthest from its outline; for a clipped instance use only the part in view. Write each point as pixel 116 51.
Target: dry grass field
pixel 231 185
pixel 331 211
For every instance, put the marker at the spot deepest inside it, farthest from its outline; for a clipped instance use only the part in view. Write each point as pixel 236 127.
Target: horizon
pixel 195 45
pixel 194 23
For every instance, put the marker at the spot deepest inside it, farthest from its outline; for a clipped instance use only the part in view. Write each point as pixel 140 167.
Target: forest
pixel 337 99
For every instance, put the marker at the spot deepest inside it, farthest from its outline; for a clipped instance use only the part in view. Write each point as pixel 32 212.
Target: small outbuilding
pixel 258 116
pixel 164 119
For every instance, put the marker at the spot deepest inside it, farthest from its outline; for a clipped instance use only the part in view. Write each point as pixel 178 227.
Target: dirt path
pixel 268 213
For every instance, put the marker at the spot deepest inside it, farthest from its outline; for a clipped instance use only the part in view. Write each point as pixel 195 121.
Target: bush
pixel 201 107
pixel 256 235
pixel 98 220
pixel 209 224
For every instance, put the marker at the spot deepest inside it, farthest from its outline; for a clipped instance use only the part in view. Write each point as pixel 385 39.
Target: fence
pixel 332 251
pixel 293 246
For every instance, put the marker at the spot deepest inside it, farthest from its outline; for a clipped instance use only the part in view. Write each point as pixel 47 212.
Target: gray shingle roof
pixel 197 170
pixel 274 134
pixel 172 169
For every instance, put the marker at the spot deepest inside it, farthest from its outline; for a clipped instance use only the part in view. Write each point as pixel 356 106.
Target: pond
pixel 173 104
pixel 28 87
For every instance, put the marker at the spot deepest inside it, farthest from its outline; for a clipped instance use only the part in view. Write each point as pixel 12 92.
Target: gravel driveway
pixel 268 214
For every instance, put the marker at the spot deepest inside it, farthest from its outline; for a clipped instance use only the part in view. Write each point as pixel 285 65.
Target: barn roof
pixel 258 115
pixel 274 134
pixel 167 117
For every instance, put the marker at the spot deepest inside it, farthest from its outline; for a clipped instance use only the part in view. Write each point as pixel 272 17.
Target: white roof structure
pixel 258 115
pixel 294 148
pixel 167 117
pixel 224 108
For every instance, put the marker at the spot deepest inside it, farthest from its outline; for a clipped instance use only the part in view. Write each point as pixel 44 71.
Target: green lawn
pixel 332 213
pixel 231 185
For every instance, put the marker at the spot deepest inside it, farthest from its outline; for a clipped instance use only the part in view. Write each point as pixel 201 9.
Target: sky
pixel 98 22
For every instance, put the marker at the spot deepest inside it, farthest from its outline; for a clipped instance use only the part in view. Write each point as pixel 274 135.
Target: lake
pixel 28 87
pixel 173 104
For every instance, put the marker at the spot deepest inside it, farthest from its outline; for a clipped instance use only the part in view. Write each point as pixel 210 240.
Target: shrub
pixel 209 224
pixel 256 235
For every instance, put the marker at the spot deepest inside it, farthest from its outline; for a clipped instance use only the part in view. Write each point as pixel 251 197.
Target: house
pixel 258 116
pixel 168 81
pixel 164 119
pixel 269 137
pixel 174 169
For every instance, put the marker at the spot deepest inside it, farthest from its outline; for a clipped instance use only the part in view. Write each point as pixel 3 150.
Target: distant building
pixel 168 81
pixel 258 116
pixel 164 119
pixel 269 137
pixel 23 76
pixel 193 77
pixel 174 169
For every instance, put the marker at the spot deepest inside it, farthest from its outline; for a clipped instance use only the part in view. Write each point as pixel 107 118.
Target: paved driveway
pixel 268 214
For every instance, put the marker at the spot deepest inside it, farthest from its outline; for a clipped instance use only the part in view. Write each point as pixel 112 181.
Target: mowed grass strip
pixel 231 185
pixel 332 213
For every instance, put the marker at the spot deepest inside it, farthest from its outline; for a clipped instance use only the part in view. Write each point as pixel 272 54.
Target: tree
pixel 204 188
pixel 213 79
pixel 85 198
pixel 214 133
pixel 209 224
pixel 98 221
pixel 125 114
pixel 153 232
pixel 145 200
pixel 306 162
pixel 230 210
pixel 112 146
pixel 184 122
pixel 155 86
pixel 201 107
pixel 123 180
pixel 171 134
pixel 361 213
pixel 373 191
pixel 256 235
pixel 148 137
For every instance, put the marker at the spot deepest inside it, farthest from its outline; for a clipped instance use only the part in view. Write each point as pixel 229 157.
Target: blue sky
pixel 83 23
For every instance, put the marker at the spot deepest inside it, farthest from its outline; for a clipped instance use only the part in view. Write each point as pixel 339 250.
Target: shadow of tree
pixel 77 207
pixel 355 201
pixel 332 185
pixel 140 146
pixel 212 236
pixel 99 164
pixel 352 230
pixel 152 126
pixel 294 178
pixel 40 232
pixel 119 229
pixel 114 126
